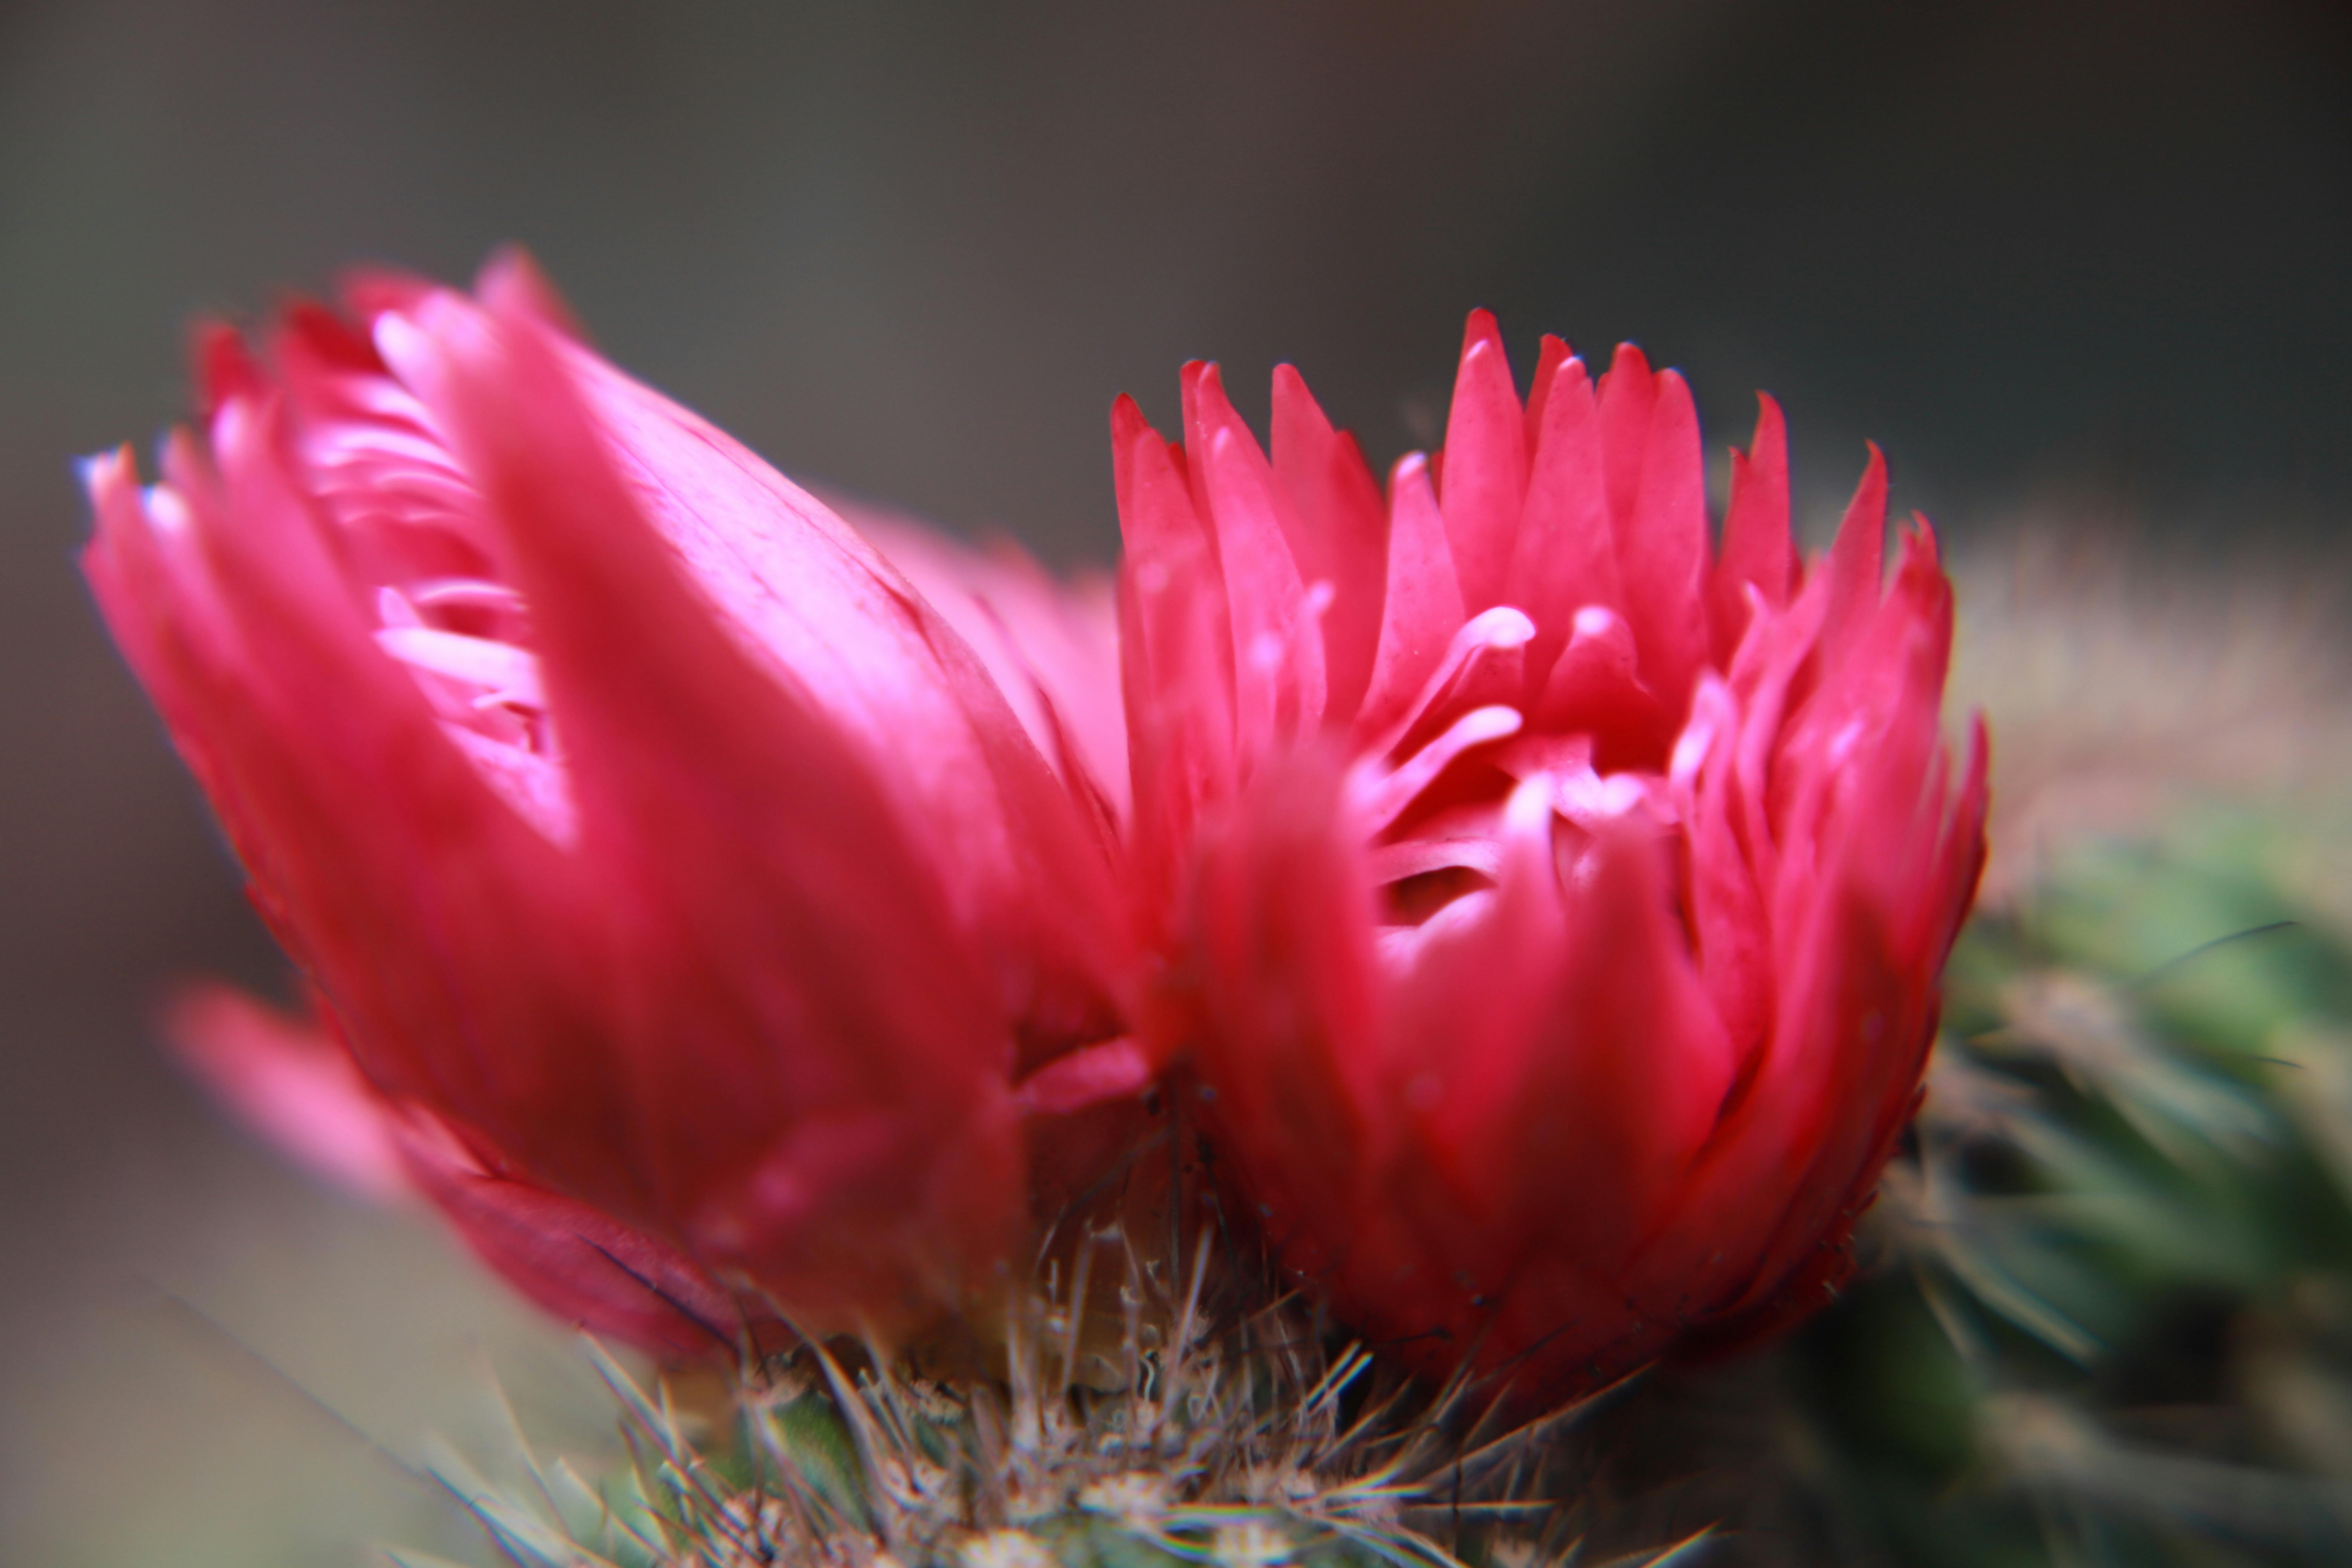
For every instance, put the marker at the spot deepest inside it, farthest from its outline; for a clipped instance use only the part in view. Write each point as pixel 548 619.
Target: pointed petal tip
pixel 1630 358
pixel 511 283
pixel 1126 420
pixel 226 367
pixel 105 468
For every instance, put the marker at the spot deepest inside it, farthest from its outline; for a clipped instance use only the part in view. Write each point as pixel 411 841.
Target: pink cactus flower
pixel 1552 902
pixel 695 912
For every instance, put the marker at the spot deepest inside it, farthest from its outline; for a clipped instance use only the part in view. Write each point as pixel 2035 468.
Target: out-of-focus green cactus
pixel 2115 1307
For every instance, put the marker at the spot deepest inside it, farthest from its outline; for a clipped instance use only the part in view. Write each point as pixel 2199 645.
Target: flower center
pixel 1432 791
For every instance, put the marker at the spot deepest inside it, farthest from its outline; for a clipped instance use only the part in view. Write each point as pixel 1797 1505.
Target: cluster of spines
pixel 1196 1438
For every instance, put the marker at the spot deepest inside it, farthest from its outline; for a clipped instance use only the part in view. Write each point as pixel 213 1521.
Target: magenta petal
pixel 1550 354
pixel 1566 557
pixel 1051 647
pixel 580 1266
pixel 1278 664
pixel 291 1082
pixel 1636 1076
pixel 762 881
pixel 512 284
pixel 1662 548
pixel 1484 477
pixel 1346 532
pixel 1660 857
pixel 1758 548
pixel 1596 687
pixel 1856 559
pixel 798 589
pixel 1627 393
pixel 1422 606
pixel 1175 655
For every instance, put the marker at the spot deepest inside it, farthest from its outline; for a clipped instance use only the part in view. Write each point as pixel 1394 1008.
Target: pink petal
pixel 1595 687
pixel 1630 1062
pixel 292 1082
pixel 1422 606
pixel 512 284
pixel 370 840
pixel 761 881
pixel 1727 907
pixel 1856 561
pixel 1550 354
pixel 1662 548
pixel 1285 929
pixel 1627 393
pixel 1343 534
pixel 1175 655
pixel 1278 681
pixel 1566 556
pixel 806 597
pixel 1483 480
pixel 580 1265
pixel 1051 647
pixel 1758 547
pixel 1115 1070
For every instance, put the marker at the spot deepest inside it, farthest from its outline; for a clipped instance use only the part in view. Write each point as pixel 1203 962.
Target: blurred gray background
pixel 2060 260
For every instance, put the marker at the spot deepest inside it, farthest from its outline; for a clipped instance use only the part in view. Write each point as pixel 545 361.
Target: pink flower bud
pixel 1553 901
pixel 686 891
